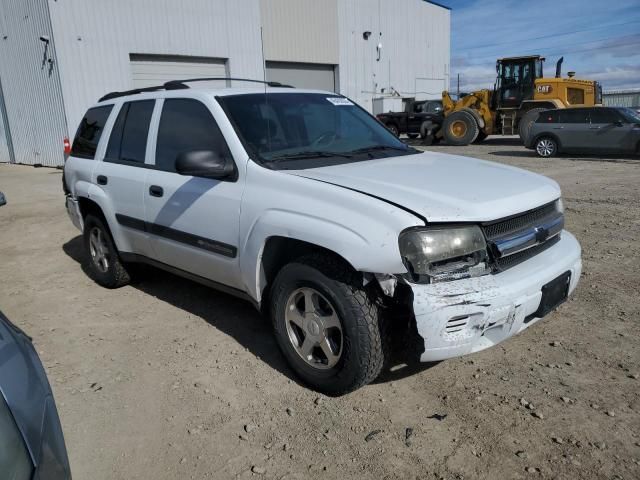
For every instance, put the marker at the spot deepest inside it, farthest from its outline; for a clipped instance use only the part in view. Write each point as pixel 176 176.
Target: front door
pixel 609 131
pixel 193 222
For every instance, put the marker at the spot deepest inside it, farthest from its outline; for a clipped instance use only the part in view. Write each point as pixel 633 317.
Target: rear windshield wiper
pixel 309 154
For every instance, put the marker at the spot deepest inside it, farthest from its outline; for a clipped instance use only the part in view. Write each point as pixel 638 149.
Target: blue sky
pixel 600 40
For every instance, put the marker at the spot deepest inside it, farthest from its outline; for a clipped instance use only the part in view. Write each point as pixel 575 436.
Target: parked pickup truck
pixel 422 118
pixel 302 203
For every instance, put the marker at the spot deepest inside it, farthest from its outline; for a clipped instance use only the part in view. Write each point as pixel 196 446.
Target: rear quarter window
pixel 89 132
pixel 580 115
pixel 548 117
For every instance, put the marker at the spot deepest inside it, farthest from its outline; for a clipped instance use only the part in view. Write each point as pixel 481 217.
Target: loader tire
pixel 460 128
pixel 524 127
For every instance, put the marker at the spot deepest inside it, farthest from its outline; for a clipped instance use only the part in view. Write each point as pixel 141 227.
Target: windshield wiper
pixel 309 154
pixel 375 148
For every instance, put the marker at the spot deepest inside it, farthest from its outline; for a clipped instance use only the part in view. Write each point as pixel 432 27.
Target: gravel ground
pixel 167 379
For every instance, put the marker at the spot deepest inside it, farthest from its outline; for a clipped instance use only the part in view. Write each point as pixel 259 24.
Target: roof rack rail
pixel 181 84
pixel 177 84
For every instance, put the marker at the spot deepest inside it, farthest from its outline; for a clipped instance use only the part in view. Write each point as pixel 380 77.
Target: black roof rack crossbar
pixel 181 84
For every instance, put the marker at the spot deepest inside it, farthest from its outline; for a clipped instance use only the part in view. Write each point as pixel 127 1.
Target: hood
pixel 442 187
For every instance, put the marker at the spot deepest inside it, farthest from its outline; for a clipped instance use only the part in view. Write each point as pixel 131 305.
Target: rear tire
pixel 104 263
pixel 393 128
pixel 528 119
pixel 481 137
pixel 460 128
pixel 546 147
pixel 341 309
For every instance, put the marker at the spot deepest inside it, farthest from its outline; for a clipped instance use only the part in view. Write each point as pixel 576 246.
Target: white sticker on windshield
pixel 339 101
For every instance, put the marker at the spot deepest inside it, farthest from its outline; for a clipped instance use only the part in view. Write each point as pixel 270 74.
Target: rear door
pixel 122 173
pixel 79 167
pixel 194 222
pixel 573 129
pixel 610 132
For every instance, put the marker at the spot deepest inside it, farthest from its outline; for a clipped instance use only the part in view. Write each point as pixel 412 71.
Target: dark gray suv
pixel 598 130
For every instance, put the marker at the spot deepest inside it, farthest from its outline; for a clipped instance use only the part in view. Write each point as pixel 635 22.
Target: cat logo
pixel 544 89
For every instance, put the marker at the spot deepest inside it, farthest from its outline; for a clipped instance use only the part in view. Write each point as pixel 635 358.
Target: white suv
pixel 304 204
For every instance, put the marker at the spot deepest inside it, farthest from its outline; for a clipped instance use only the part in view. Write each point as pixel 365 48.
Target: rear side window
pixel 574 116
pixel 186 125
pixel 548 117
pixel 603 115
pixel 89 132
pixel 128 141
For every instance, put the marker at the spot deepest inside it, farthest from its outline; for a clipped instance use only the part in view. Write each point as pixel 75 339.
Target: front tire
pixel 393 128
pixel 546 147
pixel 104 263
pixel 327 324
pixel 460 128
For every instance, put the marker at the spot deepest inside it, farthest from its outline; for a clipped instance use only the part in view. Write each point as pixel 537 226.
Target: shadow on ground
pixel 234 317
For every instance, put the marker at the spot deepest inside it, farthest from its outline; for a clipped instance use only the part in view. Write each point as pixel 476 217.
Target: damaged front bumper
pixel 465 316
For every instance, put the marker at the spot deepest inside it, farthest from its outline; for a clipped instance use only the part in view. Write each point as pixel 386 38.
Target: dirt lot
pixel 166 379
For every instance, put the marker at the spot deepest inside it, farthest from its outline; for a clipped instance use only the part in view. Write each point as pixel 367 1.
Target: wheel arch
pixel 96 202
pixel 278 236
pixel 279 251
pixel 550 135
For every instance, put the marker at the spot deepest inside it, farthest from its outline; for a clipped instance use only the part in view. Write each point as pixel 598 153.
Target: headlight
pixel 440 254
pixel 560 205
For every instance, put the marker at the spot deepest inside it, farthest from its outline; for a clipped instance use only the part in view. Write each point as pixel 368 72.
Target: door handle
pixel 156 191
pixel 558 128
pixel 102 180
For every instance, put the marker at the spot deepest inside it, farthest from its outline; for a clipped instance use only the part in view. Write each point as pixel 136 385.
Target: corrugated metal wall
pixel 31 82
pixel 300 30
pixel 6 151
pixel 415 49
pixel 628 98
pixel 95 39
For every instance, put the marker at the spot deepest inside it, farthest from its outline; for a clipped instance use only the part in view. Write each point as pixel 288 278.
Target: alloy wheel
pixel 99 249
pixel 314 328
pixel 545 147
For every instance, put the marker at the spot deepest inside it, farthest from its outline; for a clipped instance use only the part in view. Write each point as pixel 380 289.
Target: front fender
pixel 361 253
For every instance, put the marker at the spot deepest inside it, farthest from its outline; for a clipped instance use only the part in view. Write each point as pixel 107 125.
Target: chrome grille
pixel 505 263
pixel 514 224
pixel 515 239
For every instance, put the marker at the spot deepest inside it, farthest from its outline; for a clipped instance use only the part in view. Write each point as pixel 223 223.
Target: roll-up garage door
pixel 303 75
pixel 151 70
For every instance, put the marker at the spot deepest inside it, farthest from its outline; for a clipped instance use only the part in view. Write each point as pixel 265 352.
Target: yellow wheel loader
pixel 520 93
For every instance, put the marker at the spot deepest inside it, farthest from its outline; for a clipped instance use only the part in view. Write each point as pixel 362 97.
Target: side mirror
pixel 3 200
pixel 204 163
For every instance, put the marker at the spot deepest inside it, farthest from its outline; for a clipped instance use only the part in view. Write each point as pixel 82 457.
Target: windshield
pixel 630 115
pixel 318 129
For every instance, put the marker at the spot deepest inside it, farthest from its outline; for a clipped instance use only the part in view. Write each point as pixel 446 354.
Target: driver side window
pixel 186 125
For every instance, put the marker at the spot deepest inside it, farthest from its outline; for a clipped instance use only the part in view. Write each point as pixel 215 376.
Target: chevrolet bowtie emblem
pixel 541 234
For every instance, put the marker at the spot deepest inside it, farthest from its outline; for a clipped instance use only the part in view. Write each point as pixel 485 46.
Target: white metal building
pixel 57 57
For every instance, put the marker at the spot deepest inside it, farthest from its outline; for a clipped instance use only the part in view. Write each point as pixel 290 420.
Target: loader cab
pixel 516 80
